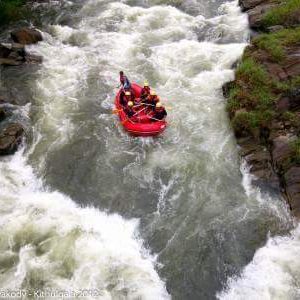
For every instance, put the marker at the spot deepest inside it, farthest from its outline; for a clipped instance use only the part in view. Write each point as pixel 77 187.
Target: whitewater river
pixel 85 206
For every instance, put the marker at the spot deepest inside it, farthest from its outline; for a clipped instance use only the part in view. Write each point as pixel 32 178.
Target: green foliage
pixel 259 91
pixel 291 117
pixel 10 10
pixel 295 145
pixel 270 44
pixel 233 103
pixel 248 121
pixel 295 82
pixel 281 14
pixel 251 100
pixel 252 72
pixel 274 43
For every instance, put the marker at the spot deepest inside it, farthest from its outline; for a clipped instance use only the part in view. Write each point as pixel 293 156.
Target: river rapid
pixel 85 206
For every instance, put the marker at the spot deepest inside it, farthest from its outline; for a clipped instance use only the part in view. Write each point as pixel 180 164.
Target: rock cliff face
pixel 264 100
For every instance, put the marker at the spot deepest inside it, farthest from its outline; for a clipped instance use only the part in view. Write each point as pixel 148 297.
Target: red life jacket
pixel 160 113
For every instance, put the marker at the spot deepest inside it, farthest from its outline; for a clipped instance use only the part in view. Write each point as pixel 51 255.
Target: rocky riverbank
pixel 13 53
pixel 264 100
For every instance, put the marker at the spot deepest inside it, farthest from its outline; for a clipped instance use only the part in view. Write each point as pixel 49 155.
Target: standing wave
pixel 48 242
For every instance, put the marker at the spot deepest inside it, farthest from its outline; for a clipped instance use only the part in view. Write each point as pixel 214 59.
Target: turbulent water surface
pixel 85 206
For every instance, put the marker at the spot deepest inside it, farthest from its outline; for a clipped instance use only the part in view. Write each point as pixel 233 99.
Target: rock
pixel 257 13
pixel 283 104
pixel 294 18
pixel 294 99
pixel 248 4
pixel 2 114
pixel 15 55
pixel 10 138
pixel 12 54
pixel 9 62
pixel 2 100
pixel 26 36
pixel 292 63
pixel 281 153
pixel 259 159
pixel 289 101
pixel 292 180
pixel 227 87
pixel 4 51
pixel 276 71
pixel 275 28
pixel 34 59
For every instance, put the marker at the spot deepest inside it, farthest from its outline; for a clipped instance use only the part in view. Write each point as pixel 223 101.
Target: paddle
pixel 128 119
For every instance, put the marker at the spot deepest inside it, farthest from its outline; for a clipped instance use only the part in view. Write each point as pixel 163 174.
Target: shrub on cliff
pixel 252 89
pixel 275 43
pixel 285 14
pixel 10 10
pixel 295 145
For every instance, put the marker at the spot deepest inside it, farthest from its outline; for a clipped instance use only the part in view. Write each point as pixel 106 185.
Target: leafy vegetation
pixel 274 43
pixel 281 14
pixel 10 10
pixel 295 145
pixel 252 95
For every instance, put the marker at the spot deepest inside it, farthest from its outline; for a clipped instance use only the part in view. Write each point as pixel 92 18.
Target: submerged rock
pixel 26 36
pixel 10 138
pixel 15 55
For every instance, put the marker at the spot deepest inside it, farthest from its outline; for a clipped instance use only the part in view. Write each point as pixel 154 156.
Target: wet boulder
pixel 227 87
pixel 15 55
pixel 292 179
pixel 257 14
pixel 12 54
pixel 248 4
pixel 26 36
pixel 10 138
pixel 259 159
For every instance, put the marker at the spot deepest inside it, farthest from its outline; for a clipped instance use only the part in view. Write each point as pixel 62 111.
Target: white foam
pixel 273 274
pixel 60 245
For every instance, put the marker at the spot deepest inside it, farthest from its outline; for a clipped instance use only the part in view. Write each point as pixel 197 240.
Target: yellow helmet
pixel 127 93
pixel 146 83
pixel 130 103
pixel 158 105
pixel 152 93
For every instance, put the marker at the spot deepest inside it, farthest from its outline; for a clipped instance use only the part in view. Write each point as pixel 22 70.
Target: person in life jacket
pixel 152 99
pixel 126 98
pixel 124 81
pixel 159 112
pixel 145 92
pixel 129 109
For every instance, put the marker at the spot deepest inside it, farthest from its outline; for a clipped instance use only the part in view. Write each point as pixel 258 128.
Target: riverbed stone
pixel 10 138
pixel 26 36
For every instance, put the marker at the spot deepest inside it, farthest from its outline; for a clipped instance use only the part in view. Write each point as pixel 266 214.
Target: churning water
pixel 85 206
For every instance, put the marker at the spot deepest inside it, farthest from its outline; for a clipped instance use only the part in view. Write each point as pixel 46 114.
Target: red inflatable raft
pixel 142 123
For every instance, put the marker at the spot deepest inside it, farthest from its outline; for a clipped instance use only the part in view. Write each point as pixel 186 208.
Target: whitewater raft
pixel 142 123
